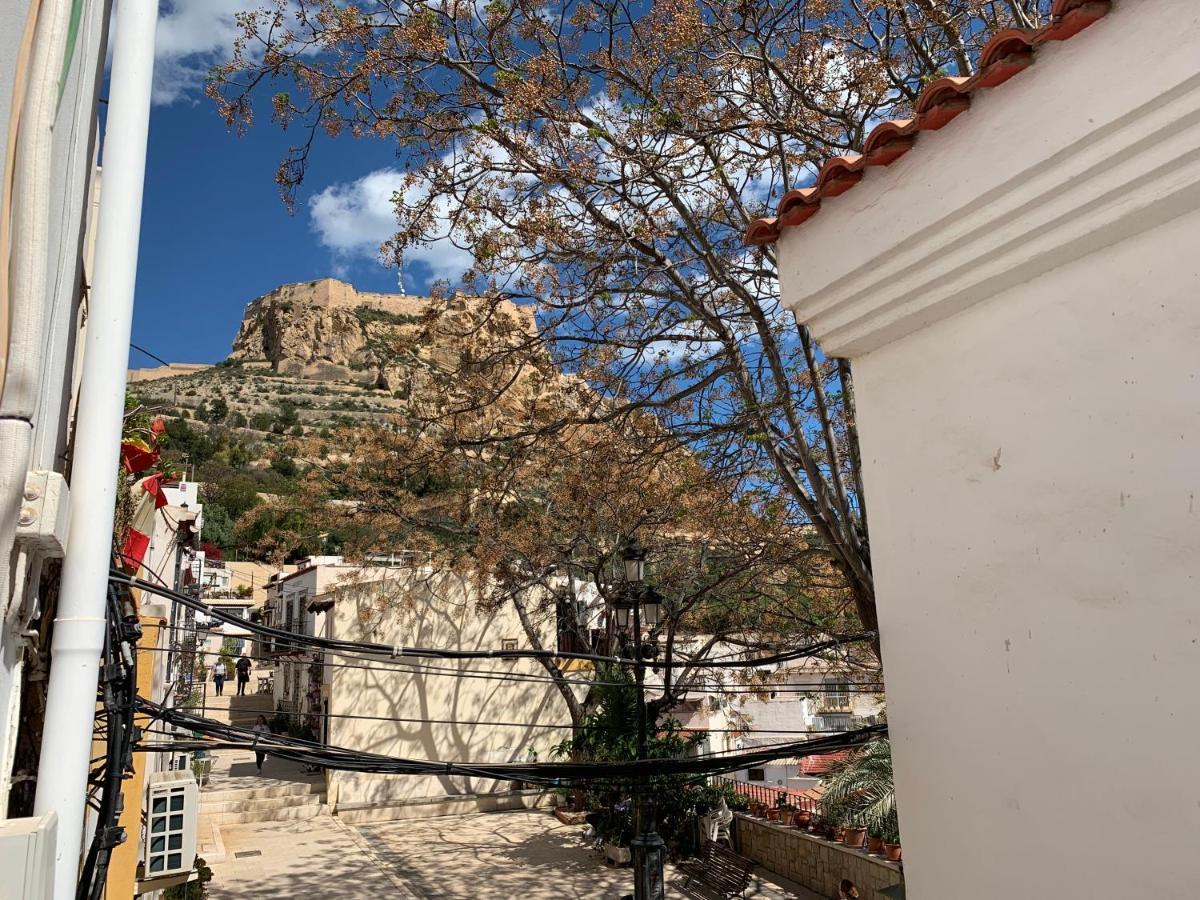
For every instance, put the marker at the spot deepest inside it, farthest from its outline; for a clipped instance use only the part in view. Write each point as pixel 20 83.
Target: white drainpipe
pixel 79 625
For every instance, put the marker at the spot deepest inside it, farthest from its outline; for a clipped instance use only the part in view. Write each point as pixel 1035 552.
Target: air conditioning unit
pixel 172 808
pixel 27 857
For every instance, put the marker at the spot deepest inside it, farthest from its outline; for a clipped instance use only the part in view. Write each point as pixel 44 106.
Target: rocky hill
pixel 317 354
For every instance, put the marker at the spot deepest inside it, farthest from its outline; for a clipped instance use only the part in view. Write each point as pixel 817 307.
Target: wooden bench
pixel 719 869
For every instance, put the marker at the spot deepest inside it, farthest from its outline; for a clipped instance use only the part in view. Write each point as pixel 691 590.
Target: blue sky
pixel 214 231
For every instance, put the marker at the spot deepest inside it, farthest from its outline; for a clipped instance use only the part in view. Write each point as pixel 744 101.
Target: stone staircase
pixel 234 710
pixel 237 795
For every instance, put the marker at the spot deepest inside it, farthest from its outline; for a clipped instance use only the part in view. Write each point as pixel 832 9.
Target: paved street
pixel 304 860
pixel 526 854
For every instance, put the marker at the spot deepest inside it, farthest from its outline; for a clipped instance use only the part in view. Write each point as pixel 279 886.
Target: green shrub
pixel 192 890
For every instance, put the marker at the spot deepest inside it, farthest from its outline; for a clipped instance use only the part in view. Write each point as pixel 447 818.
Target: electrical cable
pixel 560 726
pixel 148 353
pixel 395 651
pixel 344 759
pixel 117 692
pixel 403 667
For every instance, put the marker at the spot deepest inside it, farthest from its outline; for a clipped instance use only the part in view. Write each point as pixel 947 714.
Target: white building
pixel 413 708
pixel 1018 297
pixel 795 701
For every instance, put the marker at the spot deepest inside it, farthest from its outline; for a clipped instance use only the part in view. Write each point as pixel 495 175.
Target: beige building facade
pixel 409 707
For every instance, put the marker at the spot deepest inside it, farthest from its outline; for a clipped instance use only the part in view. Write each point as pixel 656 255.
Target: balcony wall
pixel 817 864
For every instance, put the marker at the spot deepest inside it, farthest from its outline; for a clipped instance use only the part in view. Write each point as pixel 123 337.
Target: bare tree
pixel 602 159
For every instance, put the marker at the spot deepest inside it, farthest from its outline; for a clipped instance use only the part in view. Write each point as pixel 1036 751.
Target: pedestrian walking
pixel 243 673
pixel 218 671
pixel 261 728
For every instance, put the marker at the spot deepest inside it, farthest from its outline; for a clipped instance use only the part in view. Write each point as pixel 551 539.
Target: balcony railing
pixel 768 795
pixel 833 702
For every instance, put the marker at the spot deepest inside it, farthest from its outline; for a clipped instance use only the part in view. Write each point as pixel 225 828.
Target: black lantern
pixel 635 562
pixel 622 612
pixel 652 603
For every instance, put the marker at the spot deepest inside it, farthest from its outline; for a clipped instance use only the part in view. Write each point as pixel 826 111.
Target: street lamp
pixel 634 558
pixel 646 848
pixel 622 608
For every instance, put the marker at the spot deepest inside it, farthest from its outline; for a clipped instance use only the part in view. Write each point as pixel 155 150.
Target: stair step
pixel 283 789
pixel 284 814
pixel 251 804
pixel 209 844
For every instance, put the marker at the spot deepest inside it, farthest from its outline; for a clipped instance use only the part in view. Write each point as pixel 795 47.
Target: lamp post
pixel 646 848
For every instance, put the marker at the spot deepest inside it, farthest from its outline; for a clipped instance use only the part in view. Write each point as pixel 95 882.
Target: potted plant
pixel 787 812
pixel 614 830
pixel 874 840
pixel 776 812
pixel 863 789
pixel 890 834
pixel 833 820
pixel 854 832
pixel 802 819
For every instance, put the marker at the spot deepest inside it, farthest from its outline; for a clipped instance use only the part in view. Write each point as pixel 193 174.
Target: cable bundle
pixel 344 759
pixel 392 651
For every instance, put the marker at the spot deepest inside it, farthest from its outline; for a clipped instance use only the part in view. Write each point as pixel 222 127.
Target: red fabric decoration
pixel 154 487
pixel 137 456
pixel 134 551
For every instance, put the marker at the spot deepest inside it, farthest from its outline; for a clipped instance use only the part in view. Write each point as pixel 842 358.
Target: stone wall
pixel 329 293
pixel 169 371
pixel 817 864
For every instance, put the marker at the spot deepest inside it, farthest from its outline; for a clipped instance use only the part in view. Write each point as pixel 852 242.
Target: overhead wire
pixel 344 759
pixel 394 651
pixel 404 666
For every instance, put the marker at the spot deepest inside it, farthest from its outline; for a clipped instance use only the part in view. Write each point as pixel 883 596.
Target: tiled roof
pixel 1006 54
pixel 821 763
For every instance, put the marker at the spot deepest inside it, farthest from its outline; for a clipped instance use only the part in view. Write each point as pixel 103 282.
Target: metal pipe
pixel 79 624
pixel 646 848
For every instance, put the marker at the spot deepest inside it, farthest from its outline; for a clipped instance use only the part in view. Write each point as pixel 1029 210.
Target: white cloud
pixel 353 218
pixel 193 36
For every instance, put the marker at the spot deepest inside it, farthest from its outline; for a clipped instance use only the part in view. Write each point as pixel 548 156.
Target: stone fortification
pixel 329 293
pixel 327 331
pixel 172 370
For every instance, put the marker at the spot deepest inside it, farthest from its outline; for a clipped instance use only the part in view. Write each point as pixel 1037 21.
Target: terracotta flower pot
pixel 854 837
pixel 837 833
pixel 874 845
pixel 774 813
pixel 892 852
pixel 802 819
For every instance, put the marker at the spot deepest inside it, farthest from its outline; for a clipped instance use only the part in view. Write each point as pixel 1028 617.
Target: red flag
pixel 134 551
pixel 154 487
pixel 137 456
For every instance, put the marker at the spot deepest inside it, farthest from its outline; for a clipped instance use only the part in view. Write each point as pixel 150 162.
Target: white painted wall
pixel 418 608
pixel 1019 296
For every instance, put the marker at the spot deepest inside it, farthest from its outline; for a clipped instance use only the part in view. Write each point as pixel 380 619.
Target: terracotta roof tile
pixel 821 763
pixel 1006 54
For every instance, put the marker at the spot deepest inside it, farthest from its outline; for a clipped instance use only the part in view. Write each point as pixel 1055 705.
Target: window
pixel 837 693
pixel 508 644
pixel 756 774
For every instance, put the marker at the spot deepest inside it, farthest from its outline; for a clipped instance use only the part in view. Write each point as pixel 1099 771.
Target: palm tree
pixel 862 792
